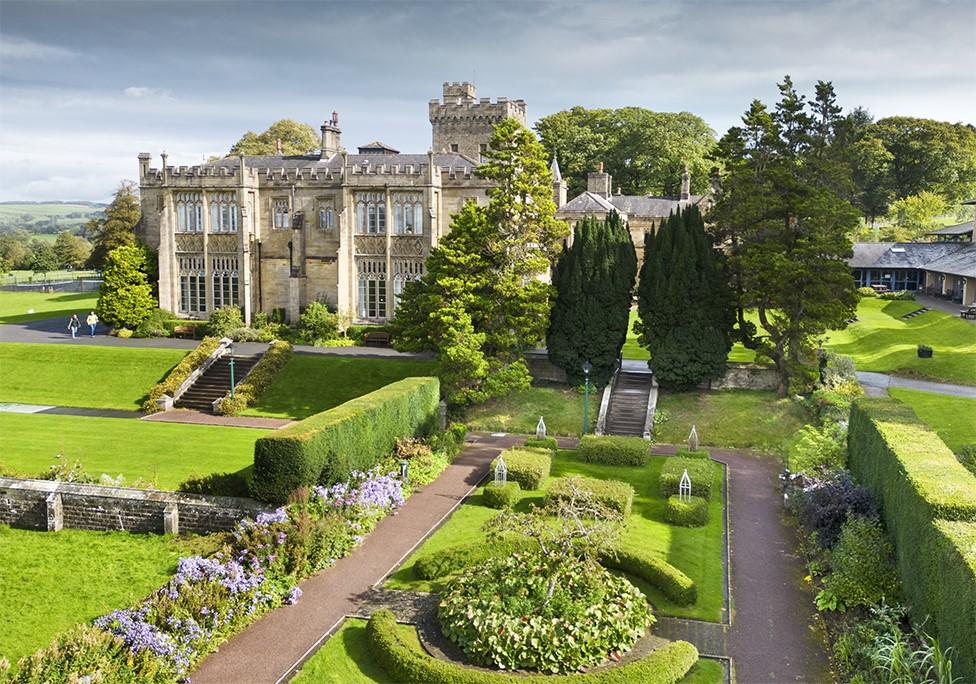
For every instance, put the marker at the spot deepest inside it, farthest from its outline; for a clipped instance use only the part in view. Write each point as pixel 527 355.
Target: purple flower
pixel 293 596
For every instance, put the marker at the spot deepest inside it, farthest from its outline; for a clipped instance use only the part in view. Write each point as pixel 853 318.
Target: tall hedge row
pixel 928 500
pixel 326 447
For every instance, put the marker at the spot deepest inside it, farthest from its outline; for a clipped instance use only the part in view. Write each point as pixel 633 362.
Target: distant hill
pixel 48 217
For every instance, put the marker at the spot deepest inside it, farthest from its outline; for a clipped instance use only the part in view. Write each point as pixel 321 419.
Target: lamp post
pixel 230 348
pixel 587 367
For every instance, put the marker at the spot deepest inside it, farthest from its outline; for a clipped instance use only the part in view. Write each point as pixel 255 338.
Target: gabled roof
pixel 958 229
pixel 588 202
pixel 962 262
pixel 377 147
pixel 900 254
pixel 647 206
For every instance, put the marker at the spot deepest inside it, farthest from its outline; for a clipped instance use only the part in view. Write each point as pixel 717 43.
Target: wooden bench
pixel 376 339
pixel 185 331
pixel 968 313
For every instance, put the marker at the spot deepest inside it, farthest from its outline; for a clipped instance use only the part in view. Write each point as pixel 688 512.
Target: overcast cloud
pixel 86 86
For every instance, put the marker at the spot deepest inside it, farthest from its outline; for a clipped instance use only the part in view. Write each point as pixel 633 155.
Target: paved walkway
pixel 943 305
pixel 174 416
pixel 69 411
pixel 269 650
pixel 877 384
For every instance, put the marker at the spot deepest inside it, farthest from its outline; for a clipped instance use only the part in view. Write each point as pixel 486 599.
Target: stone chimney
pixel 330 137
pixel 599 182
pixel 278 147
pixel 685 184
pixel 559 187
pixel 144 158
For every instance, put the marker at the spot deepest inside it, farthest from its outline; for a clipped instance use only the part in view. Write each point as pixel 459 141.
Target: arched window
pixel 223 212
pixel 189 212
pixel 370 213
pixel 193 285
pixel 408 214
pixel 280 213
pixel 371 304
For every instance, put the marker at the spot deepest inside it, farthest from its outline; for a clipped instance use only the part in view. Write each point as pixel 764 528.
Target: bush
pixel 614 450
pixel 501 495
pixel 690 513
pixel 674 584
pixel 409 665
pixel 317 323
pixel 613 494
pixel 217 484
pixel 816 448
pixel 867 292
pixel 257 380
pixel 684 452
pixel 451 441
pixel 824 506
pixel 155 325
pixel 861 569
pixel 700 471
pixel 900 295
pixel 454 559
pixel 125 298
pixel 528 467
pixel 225 321
pixel 180 372
pixel 327 447
pixel 543 443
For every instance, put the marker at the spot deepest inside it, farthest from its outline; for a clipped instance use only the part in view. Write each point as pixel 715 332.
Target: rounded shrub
pixel 690 513
pixel 673 583
pixel 502 495
pixel 614 450
pixel 542 443
pixel 225 321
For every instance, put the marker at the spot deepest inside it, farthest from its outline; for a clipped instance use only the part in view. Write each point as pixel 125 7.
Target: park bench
pixel 968 313
pixel 185 331
pixel 376 339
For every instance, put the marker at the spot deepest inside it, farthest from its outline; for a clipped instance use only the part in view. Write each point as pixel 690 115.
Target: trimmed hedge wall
pixel 501 495
pixel 409 665
pixel 684 452
pixel 614 494
pixel 693 513
pixel 326 447
pixel 928 500
pixel 701 471
pixel 673 583
pixel 528 467
pixel 543 443
pixel 614 450
pixel 180 372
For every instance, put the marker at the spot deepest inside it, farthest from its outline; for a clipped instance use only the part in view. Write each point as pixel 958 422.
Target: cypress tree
pixel 685 305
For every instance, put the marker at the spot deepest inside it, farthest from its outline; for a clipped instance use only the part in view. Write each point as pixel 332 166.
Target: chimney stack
pixel 685 184
pixel 330 137
pixel 278 146
pixel 599 182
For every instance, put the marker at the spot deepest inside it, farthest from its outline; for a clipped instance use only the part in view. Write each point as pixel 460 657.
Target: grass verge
pixel 952 418
pixel 633 350
pixel 519 412
pixel 23 307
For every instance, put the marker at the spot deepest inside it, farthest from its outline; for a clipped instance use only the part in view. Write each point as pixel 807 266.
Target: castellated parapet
pixel 463 123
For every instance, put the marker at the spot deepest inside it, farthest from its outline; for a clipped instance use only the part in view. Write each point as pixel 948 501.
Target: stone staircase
pixel 215 383
pixel 628 403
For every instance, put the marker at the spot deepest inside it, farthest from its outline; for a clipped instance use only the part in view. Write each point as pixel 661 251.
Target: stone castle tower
pixel 462 123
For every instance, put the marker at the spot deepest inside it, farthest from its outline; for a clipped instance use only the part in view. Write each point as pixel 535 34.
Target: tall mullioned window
pixel 189 212
pixel 326 217
pixel 223 212
pixel 280 213
pixel 403 272
pixel 370 213
pixel 372 289
pixel 408 214
pixel 225 282
pixel 193 285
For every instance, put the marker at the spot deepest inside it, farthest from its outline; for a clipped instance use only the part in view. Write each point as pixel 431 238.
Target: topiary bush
pixel 257 380
pixel 861 569
pixel 501 495
pixel 614 450
pixel 613 494
pixel 673 583
pixel 685 452
pixel 700 471
pixel 180 373
pixel 542 443
pixel 528 467
pixel 690 513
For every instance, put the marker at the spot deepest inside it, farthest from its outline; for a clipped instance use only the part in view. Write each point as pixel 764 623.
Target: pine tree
pixel 685 305
pixel 125 299
pixel 118 227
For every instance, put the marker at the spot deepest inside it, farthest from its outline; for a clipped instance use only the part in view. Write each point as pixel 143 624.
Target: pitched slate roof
pixel 645 205
pixel 958 229
pixel 377 147
pixel 445 159
pixel 962 262
pixel 899 254
pixel 586 203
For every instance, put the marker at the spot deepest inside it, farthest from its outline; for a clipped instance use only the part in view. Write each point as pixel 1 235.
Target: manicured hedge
pixel 408 665
pixel 691 513
pixel 327 447
pixel 700 471
pixel 928 500
pixel 501 495
pixel 614 450
pixel 257 381
pixel 529 467
pixel 614 494
pixel 542 443
pixel 180 372
pixel 685 452
pixel 673 583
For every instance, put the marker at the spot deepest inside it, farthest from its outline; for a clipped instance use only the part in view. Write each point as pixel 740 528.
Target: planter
pixel 925 352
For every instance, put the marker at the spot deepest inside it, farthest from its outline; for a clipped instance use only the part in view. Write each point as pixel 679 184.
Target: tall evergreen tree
pixel 594 282
pixel 125 299
pixel 117 228
pixel 684 302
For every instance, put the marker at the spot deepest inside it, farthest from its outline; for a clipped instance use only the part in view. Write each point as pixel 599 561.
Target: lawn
pixel 730 418
pixel 519 412
pixel 164 453
pixel 346 659
pixel 315 382
pixel 89 376
pixel 884 342
pixel 632 350
pixel 695 551
pixel 50 582
pixel 22 307
pixel 953 418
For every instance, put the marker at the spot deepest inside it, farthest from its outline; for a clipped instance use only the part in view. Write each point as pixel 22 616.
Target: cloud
pixel 144 91
pixel 12 47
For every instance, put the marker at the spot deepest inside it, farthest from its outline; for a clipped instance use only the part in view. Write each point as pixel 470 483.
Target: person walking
pixel 92 321
pixel 73 325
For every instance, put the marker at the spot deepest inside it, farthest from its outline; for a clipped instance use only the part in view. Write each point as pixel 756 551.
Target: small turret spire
pixel 554 167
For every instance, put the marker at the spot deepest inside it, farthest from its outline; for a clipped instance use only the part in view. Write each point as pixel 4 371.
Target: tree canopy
pixel 644 151
pixel 125 299
pixel 117 228
pixel 296 138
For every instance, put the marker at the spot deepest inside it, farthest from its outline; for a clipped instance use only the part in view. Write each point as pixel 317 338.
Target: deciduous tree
pixel 295 138
pixel 72 250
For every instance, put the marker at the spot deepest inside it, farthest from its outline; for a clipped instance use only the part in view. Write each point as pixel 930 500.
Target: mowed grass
pixel 730 418
pixel 311 383
pixel 347 658
pixel 633 350
pixel 953 418
pixel 89 376
pixel 51 581
pixel 519 412
pixel 160 453
pixel 695 551
pixel 15 306
pixel 882 341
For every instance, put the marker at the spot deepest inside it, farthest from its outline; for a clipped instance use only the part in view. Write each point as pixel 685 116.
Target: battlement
pixel 483 109
pixel 385 169
pixel 455 91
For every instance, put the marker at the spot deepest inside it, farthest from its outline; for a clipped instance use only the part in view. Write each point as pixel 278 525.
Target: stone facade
pixel 278 232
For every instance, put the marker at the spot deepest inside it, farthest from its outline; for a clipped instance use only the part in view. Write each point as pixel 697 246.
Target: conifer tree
pixel 125 299
pixel 685 305
pixel 117 228
pixel 594 281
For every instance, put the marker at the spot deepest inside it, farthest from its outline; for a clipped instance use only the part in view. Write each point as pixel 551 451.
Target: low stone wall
pixel 746 376
pixel 542 369
pixel 50 505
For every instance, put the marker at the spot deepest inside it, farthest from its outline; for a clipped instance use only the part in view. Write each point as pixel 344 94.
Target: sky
pixel 86 86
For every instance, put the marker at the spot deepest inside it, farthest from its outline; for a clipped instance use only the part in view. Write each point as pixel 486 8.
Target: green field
pixel 953 418
pixel 160 453
pixel 85 376
pixel 519 412
pixel 695 551
pixel 50 582
pixel 21 276
pixel 632 350
pixel 22 307
pixel 311 383
pixel 882 341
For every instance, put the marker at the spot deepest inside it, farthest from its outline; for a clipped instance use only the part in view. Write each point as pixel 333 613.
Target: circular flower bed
pixel 499 615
